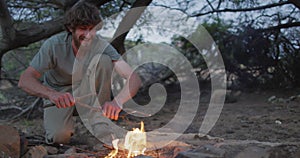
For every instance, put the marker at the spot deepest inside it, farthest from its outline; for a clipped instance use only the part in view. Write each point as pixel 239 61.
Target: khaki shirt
pixel 55 60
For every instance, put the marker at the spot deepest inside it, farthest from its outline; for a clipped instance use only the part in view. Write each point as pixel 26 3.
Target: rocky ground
pixel 252 124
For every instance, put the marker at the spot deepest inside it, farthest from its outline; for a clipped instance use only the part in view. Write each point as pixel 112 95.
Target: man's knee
pixel 61 137
pixel 58 124
pixel 103 132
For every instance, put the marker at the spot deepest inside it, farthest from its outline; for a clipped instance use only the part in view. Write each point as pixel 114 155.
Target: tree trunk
pixel 127 23
pixel 10 38
pixel 1 55
pixel 7 33
pixel 296 3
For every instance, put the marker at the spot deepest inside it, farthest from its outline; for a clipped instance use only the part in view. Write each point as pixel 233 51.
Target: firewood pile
pixel 187 146
pixel 166 152
pixel 12 145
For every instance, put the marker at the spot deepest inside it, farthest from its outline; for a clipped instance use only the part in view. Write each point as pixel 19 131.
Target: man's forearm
pixel 34 87
pixel 29 83
pixel 129 90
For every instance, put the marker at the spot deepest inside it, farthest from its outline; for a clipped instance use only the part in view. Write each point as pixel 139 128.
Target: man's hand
pixel 111 110
pixel 62 100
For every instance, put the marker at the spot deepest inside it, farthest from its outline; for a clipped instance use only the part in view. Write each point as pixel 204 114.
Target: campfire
pixel 135 143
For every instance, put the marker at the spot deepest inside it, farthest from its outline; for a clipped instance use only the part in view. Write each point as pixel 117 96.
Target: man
pixel 54 62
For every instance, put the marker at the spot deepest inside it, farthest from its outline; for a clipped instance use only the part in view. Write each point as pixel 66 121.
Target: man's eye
pixel 83 28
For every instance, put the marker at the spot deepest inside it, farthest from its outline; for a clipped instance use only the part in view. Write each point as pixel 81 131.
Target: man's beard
pixel 76 42
pixel 81 41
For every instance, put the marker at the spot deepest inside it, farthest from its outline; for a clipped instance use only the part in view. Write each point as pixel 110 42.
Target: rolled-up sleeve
pixel 44 59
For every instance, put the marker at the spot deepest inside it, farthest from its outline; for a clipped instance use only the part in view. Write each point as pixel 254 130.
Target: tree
pixel 26 22
pixel 263 10
pixel 257 41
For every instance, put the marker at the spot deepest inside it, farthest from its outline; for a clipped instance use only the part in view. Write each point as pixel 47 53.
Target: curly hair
pixel 81 14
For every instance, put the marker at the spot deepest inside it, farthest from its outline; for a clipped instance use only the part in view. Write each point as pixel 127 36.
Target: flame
pixel 135 143
pixel 114 152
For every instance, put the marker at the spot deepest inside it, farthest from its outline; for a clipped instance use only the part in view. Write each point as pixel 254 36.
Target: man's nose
pixel 87 33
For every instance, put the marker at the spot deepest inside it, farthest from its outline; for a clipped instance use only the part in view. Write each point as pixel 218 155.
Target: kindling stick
pixel 99 108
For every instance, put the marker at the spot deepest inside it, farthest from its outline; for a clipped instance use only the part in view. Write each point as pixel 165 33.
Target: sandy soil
pixel 251 117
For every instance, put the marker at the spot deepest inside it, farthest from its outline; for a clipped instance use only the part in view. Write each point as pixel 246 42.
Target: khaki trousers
pixel 59 123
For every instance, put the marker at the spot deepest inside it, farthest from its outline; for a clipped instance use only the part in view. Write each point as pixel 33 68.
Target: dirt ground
pixel 250 117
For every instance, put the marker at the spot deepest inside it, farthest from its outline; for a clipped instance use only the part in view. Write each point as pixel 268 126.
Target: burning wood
pixel 114 152
pixel 135 143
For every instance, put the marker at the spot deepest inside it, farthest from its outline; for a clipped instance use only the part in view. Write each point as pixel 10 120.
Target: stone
pixel 252 152
pixel 9 142
pixel 189 154
pixel 206 151
pixel 51 150
pixel 143 156
pixel 36 152
pixel 71 150
pixel 290 151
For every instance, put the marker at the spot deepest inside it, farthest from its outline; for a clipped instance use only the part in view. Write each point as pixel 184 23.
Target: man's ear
pixel 68 28
pixel 99 26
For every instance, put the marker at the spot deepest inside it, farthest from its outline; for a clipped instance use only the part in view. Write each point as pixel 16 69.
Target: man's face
pixel 83 35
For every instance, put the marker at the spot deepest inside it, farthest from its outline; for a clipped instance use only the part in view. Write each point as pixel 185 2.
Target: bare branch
pixel 59 3
pixel 35 33
pixel 179 9
pixel 296 3
pixel 282 26
pixel 127 22
pixel 211 6
pixel 8 107
pixel 219 4
pixel 11 38
pixel 268 6
pixel 18 60
pixel 243 9
pixel 6 21
pixel 69 3
pixel 32 6
pixel 9 79
pixel 30 107
pixel 123 5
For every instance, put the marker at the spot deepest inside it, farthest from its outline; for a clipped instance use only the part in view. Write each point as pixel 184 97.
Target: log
pixel 73 155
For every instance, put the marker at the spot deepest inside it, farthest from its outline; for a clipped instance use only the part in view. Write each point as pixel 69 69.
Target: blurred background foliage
pixel 259 41
pixel 256 58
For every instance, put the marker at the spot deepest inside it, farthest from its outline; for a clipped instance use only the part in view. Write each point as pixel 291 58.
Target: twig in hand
pixel 97 109
pixel 84 96
pixel 108 146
